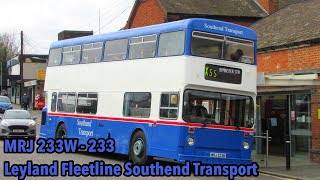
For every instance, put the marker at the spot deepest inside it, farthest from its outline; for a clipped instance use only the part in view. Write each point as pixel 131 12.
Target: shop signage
pixel 30 83
pixel 41 74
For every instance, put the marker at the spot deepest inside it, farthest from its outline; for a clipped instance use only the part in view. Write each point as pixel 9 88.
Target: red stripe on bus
pixel 210 126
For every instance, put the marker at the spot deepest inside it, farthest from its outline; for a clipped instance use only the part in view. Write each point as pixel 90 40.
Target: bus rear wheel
pixel 138 149
pixel 61 131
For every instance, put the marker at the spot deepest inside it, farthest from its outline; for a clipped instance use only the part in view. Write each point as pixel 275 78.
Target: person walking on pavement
pixel 25 101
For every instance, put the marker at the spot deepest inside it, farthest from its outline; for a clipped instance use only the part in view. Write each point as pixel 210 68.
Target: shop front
pixel 34 89
pixel 287 116
pixel 288 111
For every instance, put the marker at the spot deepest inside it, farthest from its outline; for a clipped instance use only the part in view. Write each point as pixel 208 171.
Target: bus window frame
pixel 207 38
pixel 242 43
pixel 75 105
pixel 87 93
pixel 123 105
pixel 60 62
pixel 55 105
pixel 82 50
pixel 220 102
pixel 127 50
pixel 184 43
pixel 223 45
pixel 178 105
pixel 80 56
pixel 142 36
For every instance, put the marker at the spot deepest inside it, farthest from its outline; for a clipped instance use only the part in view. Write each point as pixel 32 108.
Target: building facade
pixel 26 75
pixel 289 81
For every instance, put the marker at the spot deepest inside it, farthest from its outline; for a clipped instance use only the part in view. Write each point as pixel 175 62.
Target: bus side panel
pixel 121 132
pixel 47 124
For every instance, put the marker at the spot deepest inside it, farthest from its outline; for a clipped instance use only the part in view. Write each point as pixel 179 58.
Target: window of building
pixel 137 104
pixel 169 106
pixel 116 50
pixel 71 55
pixel 55 57
pixel 87 103
pixel 66 102
pixel 92 52
pixel 142 47
pixel 171 44
pixel 54 102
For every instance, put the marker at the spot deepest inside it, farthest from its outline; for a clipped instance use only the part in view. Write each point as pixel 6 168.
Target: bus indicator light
pixel 191 130
pixel 246 134
pixel 154 123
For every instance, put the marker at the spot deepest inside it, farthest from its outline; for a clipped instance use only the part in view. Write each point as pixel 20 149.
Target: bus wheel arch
pixel 61 130
pixel 138 148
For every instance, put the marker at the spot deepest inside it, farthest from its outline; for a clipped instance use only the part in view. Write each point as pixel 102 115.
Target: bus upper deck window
pixel 171 44
pixel 239 50
pixel 207 45
pixel 55 57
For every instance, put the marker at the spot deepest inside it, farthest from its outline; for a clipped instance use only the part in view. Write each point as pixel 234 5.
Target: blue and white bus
pixel 182 90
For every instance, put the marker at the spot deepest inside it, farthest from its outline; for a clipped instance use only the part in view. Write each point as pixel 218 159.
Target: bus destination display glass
pixel 222 74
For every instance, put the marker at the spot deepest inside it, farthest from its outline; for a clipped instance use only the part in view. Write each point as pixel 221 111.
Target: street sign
pixel 41 74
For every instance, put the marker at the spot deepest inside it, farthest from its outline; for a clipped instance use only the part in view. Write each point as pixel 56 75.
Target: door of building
pixel 300 123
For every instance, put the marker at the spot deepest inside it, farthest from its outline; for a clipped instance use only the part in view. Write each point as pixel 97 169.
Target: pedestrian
pixel 25 101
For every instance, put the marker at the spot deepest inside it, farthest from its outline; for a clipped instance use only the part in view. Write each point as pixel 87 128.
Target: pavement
pixel 300 169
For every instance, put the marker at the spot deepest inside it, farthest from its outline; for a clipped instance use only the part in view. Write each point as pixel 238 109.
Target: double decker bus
pixel 182 90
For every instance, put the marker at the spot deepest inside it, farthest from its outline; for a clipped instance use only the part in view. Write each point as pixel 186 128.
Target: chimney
pixel 269 5
pixel 68 34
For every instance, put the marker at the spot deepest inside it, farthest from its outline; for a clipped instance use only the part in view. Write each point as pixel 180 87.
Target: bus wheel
pixel 61 131
pixel 138 149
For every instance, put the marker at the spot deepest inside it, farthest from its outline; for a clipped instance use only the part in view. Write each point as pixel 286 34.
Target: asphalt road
pixel 85 158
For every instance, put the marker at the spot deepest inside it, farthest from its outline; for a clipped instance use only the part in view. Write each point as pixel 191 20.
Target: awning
pixel 311 79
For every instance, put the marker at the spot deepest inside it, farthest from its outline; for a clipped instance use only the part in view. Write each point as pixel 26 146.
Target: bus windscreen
pixel 218 108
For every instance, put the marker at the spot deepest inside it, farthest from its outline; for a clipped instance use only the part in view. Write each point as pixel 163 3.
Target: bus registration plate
pixel 218 155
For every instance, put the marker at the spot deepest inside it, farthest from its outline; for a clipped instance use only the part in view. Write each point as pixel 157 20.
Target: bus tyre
pixel 61 131
pixel 138 149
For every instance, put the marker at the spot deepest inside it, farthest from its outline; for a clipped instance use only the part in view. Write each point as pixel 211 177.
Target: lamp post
pixel 1 75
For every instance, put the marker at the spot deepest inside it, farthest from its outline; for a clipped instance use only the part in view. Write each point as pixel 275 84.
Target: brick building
pixel 289 83
pixel 149 12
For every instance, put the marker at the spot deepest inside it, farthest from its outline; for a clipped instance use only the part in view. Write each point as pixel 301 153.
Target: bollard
pixel 267 147
pixel 287 155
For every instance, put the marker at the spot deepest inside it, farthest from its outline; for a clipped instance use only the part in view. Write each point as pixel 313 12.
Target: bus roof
pixel 200 24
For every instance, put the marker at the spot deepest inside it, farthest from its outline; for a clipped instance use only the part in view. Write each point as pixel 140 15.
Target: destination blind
pixel 222 74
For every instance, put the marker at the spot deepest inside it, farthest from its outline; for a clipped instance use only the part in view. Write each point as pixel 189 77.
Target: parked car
pixel 5 104
pixel 17 123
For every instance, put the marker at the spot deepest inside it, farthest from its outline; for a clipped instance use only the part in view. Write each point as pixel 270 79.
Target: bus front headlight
pixel 245 145
pixel 190 141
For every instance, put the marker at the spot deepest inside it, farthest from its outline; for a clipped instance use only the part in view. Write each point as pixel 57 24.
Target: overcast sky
pixel 42 20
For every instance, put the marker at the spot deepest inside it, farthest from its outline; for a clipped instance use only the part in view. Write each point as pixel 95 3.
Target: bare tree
pixel 8 46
